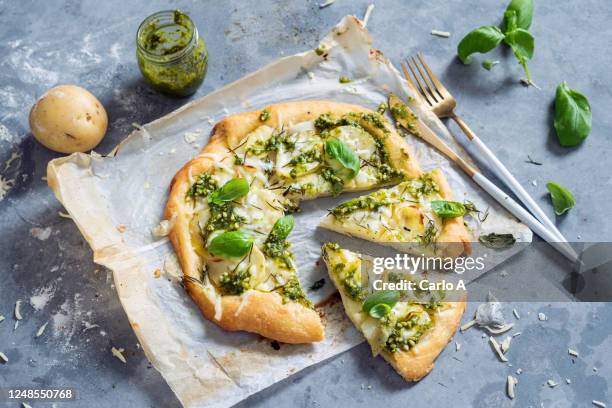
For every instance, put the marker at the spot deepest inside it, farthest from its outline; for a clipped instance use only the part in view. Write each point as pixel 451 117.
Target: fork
pixel 442 103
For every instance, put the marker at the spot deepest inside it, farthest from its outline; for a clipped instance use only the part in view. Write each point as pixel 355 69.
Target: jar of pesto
pixel 171 55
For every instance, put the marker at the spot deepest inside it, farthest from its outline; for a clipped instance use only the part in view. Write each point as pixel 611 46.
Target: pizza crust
pixel 417 362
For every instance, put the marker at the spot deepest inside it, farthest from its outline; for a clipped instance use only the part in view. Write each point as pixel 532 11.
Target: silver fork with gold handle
pixel 406 118
pixel 443 104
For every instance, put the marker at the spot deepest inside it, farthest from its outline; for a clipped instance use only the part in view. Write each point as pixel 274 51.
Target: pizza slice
pixel 409 334
pixel 415 216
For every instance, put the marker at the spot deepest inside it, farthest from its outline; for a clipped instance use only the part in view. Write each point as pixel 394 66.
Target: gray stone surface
pixel 91 43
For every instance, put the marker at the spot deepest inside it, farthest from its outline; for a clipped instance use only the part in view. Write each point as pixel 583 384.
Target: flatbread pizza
pixel 230 206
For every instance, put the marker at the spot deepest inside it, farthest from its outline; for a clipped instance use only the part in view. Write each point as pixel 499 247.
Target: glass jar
pixel 171 55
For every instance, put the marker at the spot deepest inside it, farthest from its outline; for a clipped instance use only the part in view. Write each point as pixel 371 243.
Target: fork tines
pixel 421 79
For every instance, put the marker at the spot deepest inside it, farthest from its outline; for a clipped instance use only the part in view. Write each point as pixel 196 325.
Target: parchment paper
pixel 116 201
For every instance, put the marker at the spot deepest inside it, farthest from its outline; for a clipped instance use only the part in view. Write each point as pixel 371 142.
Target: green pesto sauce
pixel 292 291
pixel 408 331
pixel 370 203
pixel 336 183
pixel 203 186
pixel 235 282
pixel 265 115
pixel 272 144
pixel 401 113
pixel 421 186
pixel 424 185
pixel 300 161
pixel 279 249
pixel 171 55
pixel 222 215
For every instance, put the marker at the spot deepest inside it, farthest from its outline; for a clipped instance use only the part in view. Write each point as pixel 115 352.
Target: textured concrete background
pixel 45 263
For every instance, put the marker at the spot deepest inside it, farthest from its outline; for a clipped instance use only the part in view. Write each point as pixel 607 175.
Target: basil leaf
pixel 386 297
pixel 573 117
pixel 282 227
pixel 522 43
pixel 344 155
pixel 497 241
pixel 233 189
pixel 509 23
pixel 561 198
pixel 448 209
pixel 482 39
pixel 231 244
pixel 488 64
pixel 380 310
pixel 523 14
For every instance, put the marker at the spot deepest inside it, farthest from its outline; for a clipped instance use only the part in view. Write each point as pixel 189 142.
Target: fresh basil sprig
pixel 379 304
pixel 344 156
pixel 231 244
pixel 561 197
pixel 233 189
pixel 573 117
pixel 517 19
pixel 497 241
pixel 448 209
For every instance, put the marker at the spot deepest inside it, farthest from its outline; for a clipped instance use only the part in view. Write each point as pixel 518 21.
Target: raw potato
pixel 68 119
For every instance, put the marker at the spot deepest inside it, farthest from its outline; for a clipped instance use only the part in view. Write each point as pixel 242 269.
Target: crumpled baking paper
pixel 117 200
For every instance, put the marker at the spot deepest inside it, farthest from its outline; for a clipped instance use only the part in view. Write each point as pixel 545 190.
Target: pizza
pixel 230 206
pixel 410 334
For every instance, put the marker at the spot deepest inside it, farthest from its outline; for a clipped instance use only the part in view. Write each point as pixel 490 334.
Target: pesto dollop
pixel 408 331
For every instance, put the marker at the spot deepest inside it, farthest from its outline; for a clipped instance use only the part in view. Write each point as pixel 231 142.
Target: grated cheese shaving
pixel 497 349
pixel 551 383
pixel 572 353
pixel 501 329
pixel 3 357
pixel 598 404
pixel 457 346
pixel 118 353
pixel 1 318
pixel 516 314
pixel 505 344
pixel 41 330
pixel 542 317
pixel 327 3
pixel 367 14
pixel 18 310
pixel 511 383
pixel 438 33
pixel 468 325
